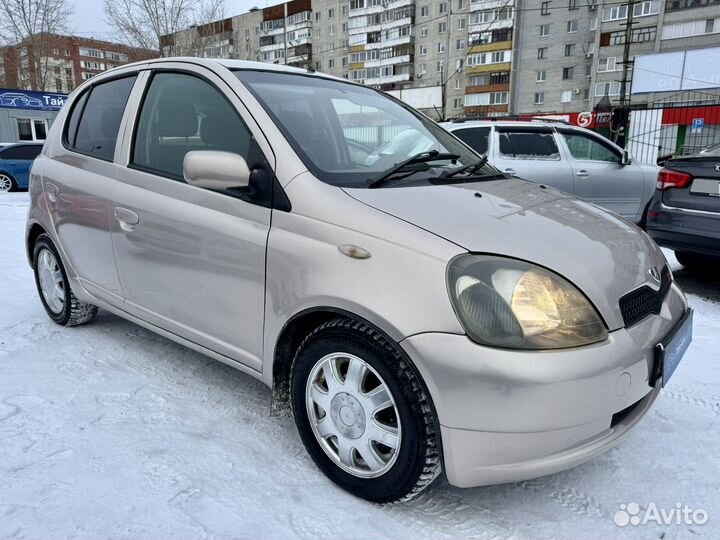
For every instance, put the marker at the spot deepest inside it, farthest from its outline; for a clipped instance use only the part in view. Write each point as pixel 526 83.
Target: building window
pixel 460 44
pixel 442 8
pixel 544 30
pixel 545 8
pixel 458 84
pixel 439 66
pixel 318 65
pixel 539 98
pixel 607 88
pixel 423 50
pixel 568 73
pixel 570 49
pixel 566 96
pixel 640 9
pixel 461 23
pixel 458 103
pixel 344 61
pixel 331 63
pixel 607 64
pixel 460 4
pixel 425 11
pixel 540 76
pixel 441 47
pixel 344 10
pixel 572 4
pixel 572 26
pixel 542 53
pixel 442 27
pixel 317 16
pixel 422 69
pixel 331 13
pixel 424 31
pixel 586 94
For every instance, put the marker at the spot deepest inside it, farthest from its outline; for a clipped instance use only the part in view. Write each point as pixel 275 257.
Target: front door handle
pixel 127 218
pixel 582 172
pixel 52 191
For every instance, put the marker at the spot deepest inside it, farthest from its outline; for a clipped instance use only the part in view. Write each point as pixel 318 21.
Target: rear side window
pixel 21 152
pixel 475 138
pixel 182 113
pixel 95 120
pixel 528 144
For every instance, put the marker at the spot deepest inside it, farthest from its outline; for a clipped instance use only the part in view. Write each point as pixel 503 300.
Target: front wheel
pixel 61 305
pixel 363 414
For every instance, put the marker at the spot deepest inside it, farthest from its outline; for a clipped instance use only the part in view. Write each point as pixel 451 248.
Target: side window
pixel 99 120
pixel 475 138
pixel 12 152
pixel 585 148
pixel 528 144
pixel 182 113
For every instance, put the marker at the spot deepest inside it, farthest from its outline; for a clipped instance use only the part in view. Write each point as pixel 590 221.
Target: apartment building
pixel 454 58
pixel 64 61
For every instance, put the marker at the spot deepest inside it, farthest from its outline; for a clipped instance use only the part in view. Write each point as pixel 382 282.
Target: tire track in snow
pixel 686 395
pixel 572 498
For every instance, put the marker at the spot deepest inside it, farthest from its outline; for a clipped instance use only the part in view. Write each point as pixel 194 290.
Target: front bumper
pixel 508 415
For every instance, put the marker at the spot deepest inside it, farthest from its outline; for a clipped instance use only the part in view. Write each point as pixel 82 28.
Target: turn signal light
pixel 672 179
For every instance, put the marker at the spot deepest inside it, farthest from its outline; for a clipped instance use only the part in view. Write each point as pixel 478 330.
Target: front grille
pixel 638 304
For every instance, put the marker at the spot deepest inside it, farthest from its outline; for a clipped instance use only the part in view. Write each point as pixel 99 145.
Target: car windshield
pixel 347 134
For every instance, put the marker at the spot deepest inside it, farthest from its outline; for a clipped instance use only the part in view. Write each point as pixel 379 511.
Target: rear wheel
pixel 363 414
pixel 7 183
pixel 61 305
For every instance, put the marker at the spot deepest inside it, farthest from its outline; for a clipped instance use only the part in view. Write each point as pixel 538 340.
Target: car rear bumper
pixel 681 229
pixel 511 415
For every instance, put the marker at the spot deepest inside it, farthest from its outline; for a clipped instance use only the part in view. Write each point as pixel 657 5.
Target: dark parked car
pixel 15 163
pixel 684 214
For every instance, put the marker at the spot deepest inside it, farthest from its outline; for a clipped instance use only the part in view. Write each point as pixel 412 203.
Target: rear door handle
pixel 582 172
pixel 127 218
pixel 52 191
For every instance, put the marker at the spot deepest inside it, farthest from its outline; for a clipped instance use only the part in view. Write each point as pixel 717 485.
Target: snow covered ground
pixel 109 431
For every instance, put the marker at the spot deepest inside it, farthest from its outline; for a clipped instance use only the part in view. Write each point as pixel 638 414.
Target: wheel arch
pixel 33 233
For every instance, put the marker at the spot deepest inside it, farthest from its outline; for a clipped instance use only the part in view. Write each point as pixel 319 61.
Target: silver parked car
pixel 565 157
pixel 417 313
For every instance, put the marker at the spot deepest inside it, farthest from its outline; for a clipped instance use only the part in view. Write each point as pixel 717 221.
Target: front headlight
pixel 505 302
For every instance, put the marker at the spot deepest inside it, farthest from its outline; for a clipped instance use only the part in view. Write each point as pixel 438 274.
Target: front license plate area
pixel 670 351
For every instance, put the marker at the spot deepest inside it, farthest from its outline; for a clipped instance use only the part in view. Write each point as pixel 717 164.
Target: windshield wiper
pixel 422 157
pixel 469 169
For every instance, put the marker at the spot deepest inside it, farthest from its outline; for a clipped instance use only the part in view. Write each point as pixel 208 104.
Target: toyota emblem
pixel 654 274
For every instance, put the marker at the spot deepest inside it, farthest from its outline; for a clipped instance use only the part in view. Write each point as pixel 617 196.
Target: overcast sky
pixel 88 19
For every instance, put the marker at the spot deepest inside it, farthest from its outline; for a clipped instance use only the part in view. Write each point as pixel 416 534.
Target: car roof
pixel 459 124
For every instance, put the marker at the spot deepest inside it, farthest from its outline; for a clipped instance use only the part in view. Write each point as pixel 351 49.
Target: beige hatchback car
pixel 417 313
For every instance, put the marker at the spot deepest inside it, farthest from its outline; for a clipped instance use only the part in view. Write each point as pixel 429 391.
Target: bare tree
pixel 32 25
pixel 144 22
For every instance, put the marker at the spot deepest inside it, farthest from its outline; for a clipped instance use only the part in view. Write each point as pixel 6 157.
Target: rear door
pixel 532 153
pixel 79 179
pixel 599 174
pixel 192 260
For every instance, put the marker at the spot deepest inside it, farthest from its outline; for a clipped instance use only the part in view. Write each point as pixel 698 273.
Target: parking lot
pixel 107 430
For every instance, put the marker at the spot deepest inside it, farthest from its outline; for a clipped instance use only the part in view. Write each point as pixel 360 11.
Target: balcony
pixel 403 59
pixel 486 47
pixel 404 40
pixel 487 88
pixel 405 21
pixel 490 4
pixel 377 81
pixel 488 68
pixel 486 27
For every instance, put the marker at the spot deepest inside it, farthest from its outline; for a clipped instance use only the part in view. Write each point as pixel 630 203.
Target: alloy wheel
pixel 51 281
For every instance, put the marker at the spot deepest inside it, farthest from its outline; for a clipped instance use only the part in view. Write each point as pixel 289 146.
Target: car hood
pixel 604 255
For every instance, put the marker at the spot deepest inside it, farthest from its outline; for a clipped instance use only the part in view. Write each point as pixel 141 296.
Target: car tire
pixel 7 183
pixel 53 286
pixel 693 261
pixel 390 452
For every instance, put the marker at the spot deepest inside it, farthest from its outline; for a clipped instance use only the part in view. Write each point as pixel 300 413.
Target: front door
pixel 191 260
pixel 600 176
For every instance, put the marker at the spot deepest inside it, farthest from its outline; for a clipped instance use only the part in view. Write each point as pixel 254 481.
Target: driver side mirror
pixel 626 159
pixel 212 169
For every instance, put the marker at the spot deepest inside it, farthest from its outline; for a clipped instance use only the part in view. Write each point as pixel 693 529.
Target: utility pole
pixel 621 119
pixel 285 11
